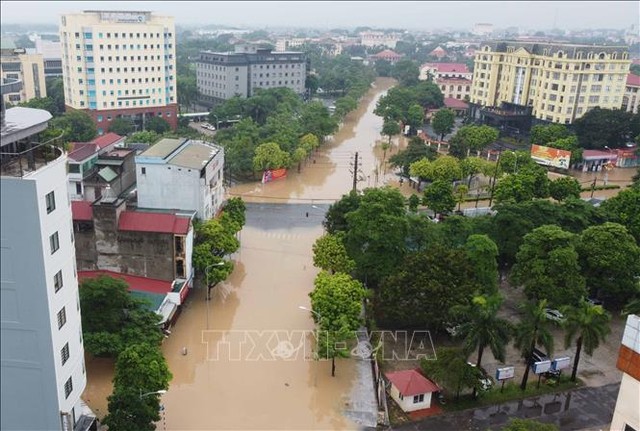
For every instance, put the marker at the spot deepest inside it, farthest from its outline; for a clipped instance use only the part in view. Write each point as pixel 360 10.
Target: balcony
pixel 28 158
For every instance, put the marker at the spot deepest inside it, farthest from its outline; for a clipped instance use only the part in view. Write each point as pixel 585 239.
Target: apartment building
pixel 631 99
pixel 378 38
pixel 42 356
pixel 52 57
pixel 559 82
pixel 223 75
pixel 181 174
pixel 445 70
pixel 120 64
pixel 454 88
pixel 16 64
pixel 626 416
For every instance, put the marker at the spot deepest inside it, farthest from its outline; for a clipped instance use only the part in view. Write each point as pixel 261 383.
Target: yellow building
pixel 119 63
pixel 28 68
pixel 558 82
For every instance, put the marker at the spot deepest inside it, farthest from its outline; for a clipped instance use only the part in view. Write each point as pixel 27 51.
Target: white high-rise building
pixel 42 355
pixel 120 63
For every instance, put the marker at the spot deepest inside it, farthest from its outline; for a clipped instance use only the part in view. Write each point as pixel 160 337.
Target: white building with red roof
pixel 411 390
pixel 445 70
pixel 439 52
pixel 387 55
pixel 631 99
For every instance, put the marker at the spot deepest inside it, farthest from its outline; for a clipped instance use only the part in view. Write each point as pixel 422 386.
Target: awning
pixel 107 174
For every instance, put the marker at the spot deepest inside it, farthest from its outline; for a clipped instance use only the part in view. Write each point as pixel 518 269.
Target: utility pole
pixel 355 173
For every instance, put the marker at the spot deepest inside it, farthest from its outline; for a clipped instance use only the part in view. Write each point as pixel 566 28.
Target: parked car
pixel 208 126
pixel 554 315
pixel 485 381
pixel 595 301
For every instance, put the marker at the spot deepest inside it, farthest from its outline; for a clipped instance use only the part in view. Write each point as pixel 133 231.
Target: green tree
pixel 390 128
pixel 157 124
pixel 424 287
pixel 623 209
pixel 144 137
pixel 569 143
pixel 438 196
pixel 335 219
pixel 610 261
pixel 415 116
pixel 604 127
pixel 344 105
pixel 315 119
pixel 547 266
pixel 187 90
pixel 472 166
pixel 483 328
pixel 446 168
pixel 312 83
pixel 140 370
pixel 270 156
pixel 589 325
pixel 332 345
pixel 376 232
pixel 121 126
pixel 451 370
pixel 564 188
pixel 477 138
pixel 329 254
pixel 543 134
pixel 236 209
pixel 46 103
pixel 55 91
pixel 462 191
pixel 532 330
pixel 530 182
pixel 416 150
pixel 443 122
pixel 406 72
pixel 383 68
pixel 512 161
pixel 482 253
pixel 78 126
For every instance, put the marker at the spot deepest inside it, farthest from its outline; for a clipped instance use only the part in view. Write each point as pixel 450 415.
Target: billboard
pixel 505 373
pixel 541 367
pixel 560 363
pixel 548 156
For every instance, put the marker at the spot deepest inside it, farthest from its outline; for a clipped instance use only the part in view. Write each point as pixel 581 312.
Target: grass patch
pixel 607 187
pixel 512 392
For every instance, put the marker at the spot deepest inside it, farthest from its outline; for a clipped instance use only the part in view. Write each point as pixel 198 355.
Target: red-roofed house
pixel 411 390
pixel 631 98
pixel 458 106
pixel 445 70
pixel 439 52
pixel 153 222
pixel 388 55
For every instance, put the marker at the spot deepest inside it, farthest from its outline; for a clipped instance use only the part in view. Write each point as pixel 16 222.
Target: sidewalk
pixel 581 409
pixel 363 405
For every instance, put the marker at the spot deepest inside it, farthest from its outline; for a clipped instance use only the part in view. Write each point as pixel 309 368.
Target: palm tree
pixel 483 328
pixel 589 325
pixel 531 331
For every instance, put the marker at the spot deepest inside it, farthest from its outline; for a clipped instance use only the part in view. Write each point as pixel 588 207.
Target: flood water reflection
pixel 241 384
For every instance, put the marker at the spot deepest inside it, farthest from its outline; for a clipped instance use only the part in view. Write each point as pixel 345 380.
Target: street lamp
pixel 207 274
pixel 160 392
pixel 314 312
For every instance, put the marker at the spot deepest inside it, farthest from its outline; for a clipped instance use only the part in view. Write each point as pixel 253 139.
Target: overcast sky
pixel 411 15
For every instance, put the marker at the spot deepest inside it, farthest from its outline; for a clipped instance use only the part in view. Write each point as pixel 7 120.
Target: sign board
pixel 541 367
pixel 124 17
pixel 560 363
pixel 548 156
pixel 505 373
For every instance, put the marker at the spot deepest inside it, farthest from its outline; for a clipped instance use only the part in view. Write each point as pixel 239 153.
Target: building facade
pixel 454 88
pixel 445 70
pixel 626 416
pixel 28 68
pixel 181 174
pixel 378 38
pixel 631 99
pixel 223 75
pixel 559 82
pixel 52 57
pixel 120 64
pixel 42 365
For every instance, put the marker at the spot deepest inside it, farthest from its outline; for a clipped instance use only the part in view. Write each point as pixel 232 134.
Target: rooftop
pixel 138 221
pixel 21 123
pixel 81 211
pixel 163 148
pixel 448 67
pixel 450 102
pixel 194 155
pixel 633 80
pixel 81 151
pixel 411 382
pixel 106 140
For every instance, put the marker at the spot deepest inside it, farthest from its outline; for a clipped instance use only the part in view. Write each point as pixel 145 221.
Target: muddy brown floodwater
pixel 253 380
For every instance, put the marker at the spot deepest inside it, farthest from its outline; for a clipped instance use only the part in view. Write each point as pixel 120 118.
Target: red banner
pixel 273 174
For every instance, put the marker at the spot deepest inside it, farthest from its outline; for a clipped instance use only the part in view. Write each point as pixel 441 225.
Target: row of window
pixel 123 80
pixel 89 47
pixel 88 35
pixel 90 59
pixel 140 92
pixel 253 66
pixel 451 88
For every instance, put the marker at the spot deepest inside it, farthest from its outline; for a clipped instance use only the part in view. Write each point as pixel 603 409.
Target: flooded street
pixel 249 361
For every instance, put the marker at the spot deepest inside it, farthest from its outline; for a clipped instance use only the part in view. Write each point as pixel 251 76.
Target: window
pixel 57 281
pixel 68 387
pixel 144 171
pixel 51 202
pixel 54 242
pixel 64 353
pixel 62 318
pixel 418 398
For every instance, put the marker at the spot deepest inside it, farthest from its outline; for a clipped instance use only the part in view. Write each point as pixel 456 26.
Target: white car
pixel 554 315
pixel 208 126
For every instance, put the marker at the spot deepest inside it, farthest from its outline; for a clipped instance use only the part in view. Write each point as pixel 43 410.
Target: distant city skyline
pixel 565 15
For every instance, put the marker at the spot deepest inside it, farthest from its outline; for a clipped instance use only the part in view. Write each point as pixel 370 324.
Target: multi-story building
pixel 119 64
pixel 223 75
pixel 454 88
pixel 558 82
pixel 16 64
pixel 482 29
pixel 626 416
pixel 181 174
pixel 445 70
pixel 52 56
pixel 42 355
pixel 379 38
pixel 631 98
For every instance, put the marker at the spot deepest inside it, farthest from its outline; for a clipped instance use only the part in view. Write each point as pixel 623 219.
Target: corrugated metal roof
pixel 163 148
pixel 153 222
pixel 81 211
pixel 107 174
pixel 106 140
pixel 194 155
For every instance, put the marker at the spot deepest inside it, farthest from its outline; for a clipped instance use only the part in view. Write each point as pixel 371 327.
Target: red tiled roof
pixel 153 222
pixel 80 151
pixel 81 211
pixel 387 53
pixel 135 282
pixel 633 80
pixel 448 67
pixel 411 382
pixel 450 102
pixel 106 140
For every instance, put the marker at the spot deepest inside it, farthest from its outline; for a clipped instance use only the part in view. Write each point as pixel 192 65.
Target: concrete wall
pixel 407 403
pixel 627 411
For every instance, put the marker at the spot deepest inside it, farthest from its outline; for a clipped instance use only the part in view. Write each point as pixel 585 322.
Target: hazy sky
pixel 411 15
